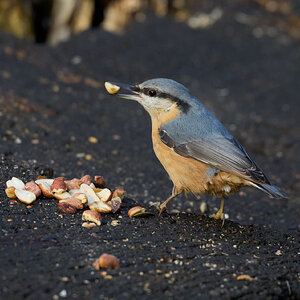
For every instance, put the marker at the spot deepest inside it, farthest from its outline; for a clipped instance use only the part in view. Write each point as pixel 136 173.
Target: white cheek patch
pixel 170 107
pixel 155 104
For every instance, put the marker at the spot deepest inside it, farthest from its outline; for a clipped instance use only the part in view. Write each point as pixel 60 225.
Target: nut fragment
pixel 45 188
pixel 58 186
pixel 121 193
pixel 115 204
pixel 244 277
pixel 100 206
pixel 88 225
pixel 87 179
pixel 108 261
pixel 24 196
pixel 111 88
pixel 96 190
pixel 135 210
pixel 93 201
pixel 92 186
pixel 16 183
pixel 115 223
pixel 99 180
pixel 96 264
pixel 74 191
pixel 33 187
pixel 74 202
pixel 92 216
pixel 105 195
pixel 10 192
pixel 81 197
pixel 61 196
pixel 67 208
pixel 89 192
pixel 73 184
pixel 44 180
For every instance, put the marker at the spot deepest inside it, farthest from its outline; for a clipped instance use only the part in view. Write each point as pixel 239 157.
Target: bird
pixel 196 150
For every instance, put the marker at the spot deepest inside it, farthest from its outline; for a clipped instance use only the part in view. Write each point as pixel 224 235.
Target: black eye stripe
pixel 184 106
pixel 136 89
pixel 150 92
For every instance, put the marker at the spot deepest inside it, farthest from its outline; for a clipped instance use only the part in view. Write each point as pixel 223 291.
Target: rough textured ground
pixel 52 100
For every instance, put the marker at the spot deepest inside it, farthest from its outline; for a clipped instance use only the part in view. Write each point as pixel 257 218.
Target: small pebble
pixel 203 207
pixel 63 293
pixel 93 140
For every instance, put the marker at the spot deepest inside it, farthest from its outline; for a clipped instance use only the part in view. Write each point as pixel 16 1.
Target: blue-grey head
pixel 156 95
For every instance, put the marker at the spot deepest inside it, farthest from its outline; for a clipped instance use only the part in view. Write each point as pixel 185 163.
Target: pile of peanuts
pixel 73 195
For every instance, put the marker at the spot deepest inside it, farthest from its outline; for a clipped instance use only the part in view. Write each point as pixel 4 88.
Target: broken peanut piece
pixel 89 192
pixel 73 184
pixel 73 201
pixel 67 208
pixel 97 190
pixel 31 186
pixel 94 202
pixel 121 193
pixel 96 264
pixel 45 188
pixel 135 210
pixel 58 186
pixel 99 180
pixel 10 192
pixel 24 196
pixel 61 196
pixel 108 261
pixel 44 180
pixel 88 225
pixel 105 195
pixel 87 179
pixel 16 183
pixel 92 216
pixel 101 207
pixel 244 277
pixel 81 197
pixel 74 191
pixel 115 204
pixel 111 88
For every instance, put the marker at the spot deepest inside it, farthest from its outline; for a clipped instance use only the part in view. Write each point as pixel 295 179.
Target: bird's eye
pixel 152 93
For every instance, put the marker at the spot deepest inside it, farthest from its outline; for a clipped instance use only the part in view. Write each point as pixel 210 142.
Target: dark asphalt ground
pixel 52 100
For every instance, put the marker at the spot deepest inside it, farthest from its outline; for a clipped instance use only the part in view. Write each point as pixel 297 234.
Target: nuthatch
pixel 196 150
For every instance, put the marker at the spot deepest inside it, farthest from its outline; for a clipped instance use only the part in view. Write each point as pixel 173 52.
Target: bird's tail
pixel 272 190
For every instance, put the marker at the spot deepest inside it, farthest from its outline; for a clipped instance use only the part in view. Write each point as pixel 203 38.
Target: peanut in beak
pixel 111 88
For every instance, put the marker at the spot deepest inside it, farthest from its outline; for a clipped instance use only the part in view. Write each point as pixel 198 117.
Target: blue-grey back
pixel 196 123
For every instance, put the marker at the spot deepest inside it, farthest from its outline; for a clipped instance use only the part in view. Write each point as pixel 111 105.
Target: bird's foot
pixel 162 207
pixel 218 216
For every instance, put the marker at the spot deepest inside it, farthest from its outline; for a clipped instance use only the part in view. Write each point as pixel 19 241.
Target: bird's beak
pixel 122 90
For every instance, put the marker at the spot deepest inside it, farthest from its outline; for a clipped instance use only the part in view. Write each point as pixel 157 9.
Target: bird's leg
pixel 174 190
pixel 219 215
pixel 163 206
pixel 186 195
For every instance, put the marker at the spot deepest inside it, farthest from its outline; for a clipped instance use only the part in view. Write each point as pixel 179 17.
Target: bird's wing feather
pixel 222 152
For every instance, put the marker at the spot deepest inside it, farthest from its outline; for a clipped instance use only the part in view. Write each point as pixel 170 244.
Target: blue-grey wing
pixel 222 152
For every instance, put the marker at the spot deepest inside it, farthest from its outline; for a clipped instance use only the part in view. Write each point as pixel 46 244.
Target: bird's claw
pixel 161 208
pixel 218 216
